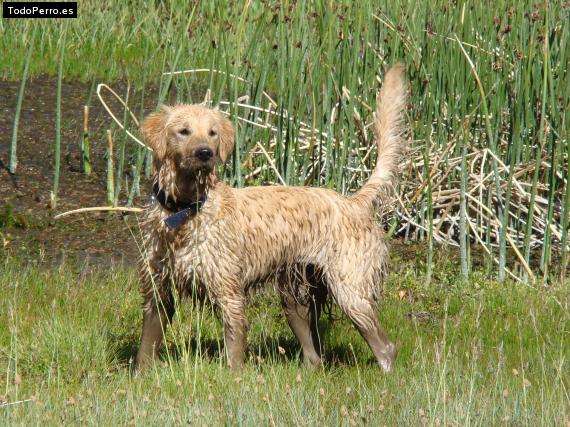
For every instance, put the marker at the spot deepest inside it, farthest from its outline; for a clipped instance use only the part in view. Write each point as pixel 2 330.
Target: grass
pixel 478 354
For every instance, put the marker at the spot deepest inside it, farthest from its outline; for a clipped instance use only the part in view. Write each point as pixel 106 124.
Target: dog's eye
pixel 213 132
pixel 184 132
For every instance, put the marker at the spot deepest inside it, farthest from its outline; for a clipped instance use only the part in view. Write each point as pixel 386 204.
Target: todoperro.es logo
pixel 58 9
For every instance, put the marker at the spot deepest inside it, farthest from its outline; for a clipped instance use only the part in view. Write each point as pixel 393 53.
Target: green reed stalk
pixel 532 203
pixel 546 256
pixel 58 120
pixel 137 167
pixel 13 145
pixel 505 218
pixel 429 209
pixel 110 168
pixel 161 98
pixel 565 218
pixel 232 84
pixel 491 140
pixel 538 159
pixel 527 150
pixel 122 147
pixel 490 265
pixel 85 150
pixel 463 235
pixel 141 151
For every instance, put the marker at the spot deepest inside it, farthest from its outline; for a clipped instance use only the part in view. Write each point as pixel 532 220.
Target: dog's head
pixel 194 137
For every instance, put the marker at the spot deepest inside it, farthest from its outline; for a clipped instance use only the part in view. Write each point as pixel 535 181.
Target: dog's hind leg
pixel 302 297
pixel 302 319
pixel 362 311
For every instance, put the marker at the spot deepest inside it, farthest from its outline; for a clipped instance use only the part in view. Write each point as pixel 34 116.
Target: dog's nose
pixel 204 154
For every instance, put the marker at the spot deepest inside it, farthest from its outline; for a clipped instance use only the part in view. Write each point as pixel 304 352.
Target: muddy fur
pixel 311 241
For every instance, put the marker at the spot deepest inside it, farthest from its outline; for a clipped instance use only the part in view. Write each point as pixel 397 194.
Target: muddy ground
pixel 27 224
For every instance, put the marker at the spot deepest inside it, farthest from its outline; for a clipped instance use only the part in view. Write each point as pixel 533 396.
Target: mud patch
pixel 27 226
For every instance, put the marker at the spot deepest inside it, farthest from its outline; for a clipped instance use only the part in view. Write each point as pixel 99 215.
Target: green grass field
pixel 479 354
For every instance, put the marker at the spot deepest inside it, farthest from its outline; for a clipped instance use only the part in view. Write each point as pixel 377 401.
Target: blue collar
pixel 181 211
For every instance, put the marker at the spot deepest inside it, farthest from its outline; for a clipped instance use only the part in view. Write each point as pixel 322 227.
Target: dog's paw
pixel 387 362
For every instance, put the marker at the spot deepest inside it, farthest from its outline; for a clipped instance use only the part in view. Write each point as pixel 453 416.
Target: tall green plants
pixel 488 84
pixel 58 117
pixel 13 145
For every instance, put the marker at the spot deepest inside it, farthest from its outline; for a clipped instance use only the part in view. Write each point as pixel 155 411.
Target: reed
pixel 429 209
pixel 110 170
pixel 142 153
pixel 85 149
pixel 122 148
pixel 298 80
pixel 14 142
pixel 565 219
pixel 58 117
pixel 463 231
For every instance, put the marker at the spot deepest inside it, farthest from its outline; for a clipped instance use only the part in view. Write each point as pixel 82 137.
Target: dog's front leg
pixel 157 314
pixel 235 328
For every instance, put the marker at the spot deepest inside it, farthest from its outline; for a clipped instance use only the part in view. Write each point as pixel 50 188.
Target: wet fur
pixel 312 241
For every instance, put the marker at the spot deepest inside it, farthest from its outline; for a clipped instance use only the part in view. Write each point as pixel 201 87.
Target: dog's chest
pixel 192 249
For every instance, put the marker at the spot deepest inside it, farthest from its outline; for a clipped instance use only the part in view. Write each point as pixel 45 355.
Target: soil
pixel 27 226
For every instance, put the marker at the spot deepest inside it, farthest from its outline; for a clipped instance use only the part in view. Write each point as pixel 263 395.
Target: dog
pixel 204 237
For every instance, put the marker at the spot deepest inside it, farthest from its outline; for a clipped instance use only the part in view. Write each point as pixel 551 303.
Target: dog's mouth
pixel 193 165
pixel 199 159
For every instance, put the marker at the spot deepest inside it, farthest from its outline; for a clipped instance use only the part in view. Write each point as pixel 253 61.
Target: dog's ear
pixel 227 135
pixel 153 130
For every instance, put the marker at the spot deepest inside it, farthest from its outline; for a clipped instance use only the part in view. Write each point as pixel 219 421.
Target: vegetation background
pixel 488 112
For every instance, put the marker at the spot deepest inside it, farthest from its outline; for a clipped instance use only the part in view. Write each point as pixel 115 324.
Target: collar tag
pixel 179 218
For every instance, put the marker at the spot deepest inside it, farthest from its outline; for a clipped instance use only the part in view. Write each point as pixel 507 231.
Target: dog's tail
pixel 389 132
